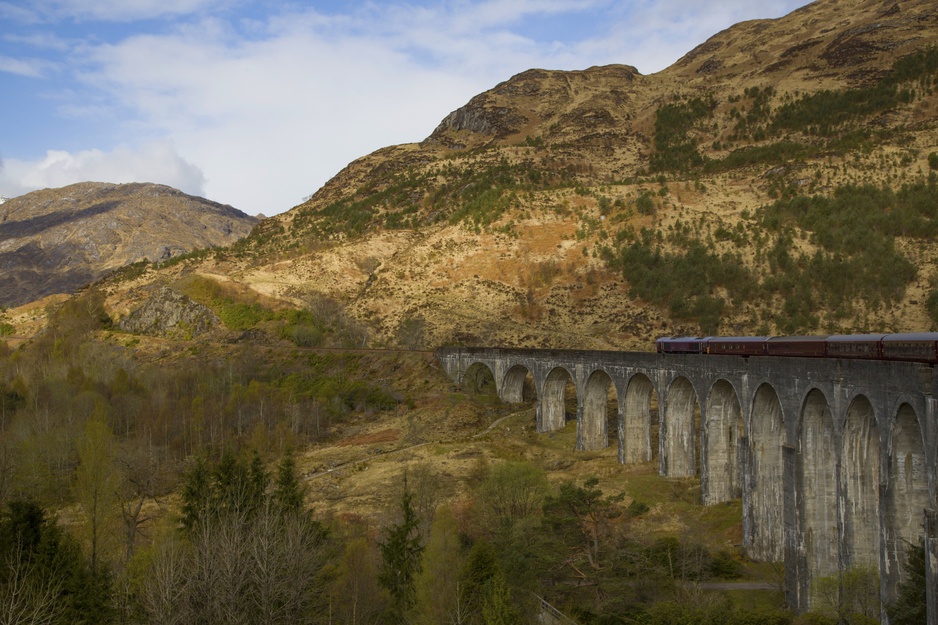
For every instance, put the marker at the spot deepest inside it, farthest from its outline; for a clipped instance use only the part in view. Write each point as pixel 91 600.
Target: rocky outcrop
pixel 169 313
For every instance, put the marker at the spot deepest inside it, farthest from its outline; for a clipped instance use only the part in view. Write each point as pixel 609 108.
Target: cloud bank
pixel 59 168
pixel 258 110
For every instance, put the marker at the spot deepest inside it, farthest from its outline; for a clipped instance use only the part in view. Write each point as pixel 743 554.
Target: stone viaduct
pixel 834 460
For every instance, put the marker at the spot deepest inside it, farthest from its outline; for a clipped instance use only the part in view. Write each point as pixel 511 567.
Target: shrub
pixel 931 305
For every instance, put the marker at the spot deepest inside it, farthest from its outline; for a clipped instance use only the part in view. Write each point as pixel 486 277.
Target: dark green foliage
pixel 644 204
pixel 854 228
pixel 931 305
pixel 637 508
pixel 682 282
pixel 44 565
pixel 770 154
pixel 909 606
pixel 253 555
pixel 479 569
pixel 724 566
pixel 341 393
pixel 684 613
pixel 581 516
pixel 675 147
pixel 288 491
pixel 400 558
pixel 234 486
pixel 497 605
pixel 476 194
pixel 826 112
pixel 933 161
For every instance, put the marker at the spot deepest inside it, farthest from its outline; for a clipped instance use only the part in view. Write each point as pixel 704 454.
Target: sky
pixel 257 103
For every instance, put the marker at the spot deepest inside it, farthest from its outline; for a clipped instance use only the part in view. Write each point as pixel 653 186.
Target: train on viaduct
pixel 834 459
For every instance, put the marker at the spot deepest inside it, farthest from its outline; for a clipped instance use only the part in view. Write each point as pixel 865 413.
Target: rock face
pixel 57 240
pixel 171 314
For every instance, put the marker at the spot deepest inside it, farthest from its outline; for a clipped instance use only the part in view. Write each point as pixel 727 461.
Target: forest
pixel 163 487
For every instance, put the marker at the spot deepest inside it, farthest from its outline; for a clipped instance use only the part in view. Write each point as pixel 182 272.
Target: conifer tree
pixel 288 492
pixel 497 608
pixel 909 606
pixel 400 555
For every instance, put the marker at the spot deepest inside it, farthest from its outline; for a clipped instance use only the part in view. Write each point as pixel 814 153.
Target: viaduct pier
pixel 834 459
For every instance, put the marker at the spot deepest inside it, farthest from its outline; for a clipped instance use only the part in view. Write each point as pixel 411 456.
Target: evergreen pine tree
pixel 288 492
pixel 196 493
pixel 909 606
pixel 400 559
pixel 497 607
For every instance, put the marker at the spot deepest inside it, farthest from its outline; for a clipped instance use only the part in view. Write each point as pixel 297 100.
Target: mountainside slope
pixel 56 240
pixel 777 179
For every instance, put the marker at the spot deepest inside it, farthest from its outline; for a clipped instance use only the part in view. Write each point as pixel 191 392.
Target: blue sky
pixel 258 103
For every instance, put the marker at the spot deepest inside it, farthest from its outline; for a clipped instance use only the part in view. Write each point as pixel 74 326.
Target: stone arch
pixel 479 379
pixel 907 491
pixel 637 436
pixel 720 473
pixel 592 429
pixel 678 452
pixel 767 496
pixel 817 485
pixel 551 414
pixel 860 464
pixel 518 385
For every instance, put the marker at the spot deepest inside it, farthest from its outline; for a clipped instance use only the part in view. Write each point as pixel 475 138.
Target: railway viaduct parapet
pixel 834 459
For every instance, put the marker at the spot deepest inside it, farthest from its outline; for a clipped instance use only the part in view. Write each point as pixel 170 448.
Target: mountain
pixel 57 240
pixel 779 178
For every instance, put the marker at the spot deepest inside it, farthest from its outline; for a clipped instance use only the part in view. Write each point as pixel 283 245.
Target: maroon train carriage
pixel 865 346
pixel 916 347
pixel 737 345
pixel 911 347
pixel 798 346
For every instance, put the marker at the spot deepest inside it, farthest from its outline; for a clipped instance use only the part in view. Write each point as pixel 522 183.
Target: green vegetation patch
pixel 682 282
pixel 855 259
pixel 834 116
pixel 675 146
pixel 825 112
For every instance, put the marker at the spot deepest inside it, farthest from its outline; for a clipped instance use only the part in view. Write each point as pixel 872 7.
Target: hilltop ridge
pixel 56 240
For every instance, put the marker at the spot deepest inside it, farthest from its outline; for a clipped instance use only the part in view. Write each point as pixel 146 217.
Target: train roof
pixel 851 338
pixel 738 339
pixel 814 338
pixel 911 336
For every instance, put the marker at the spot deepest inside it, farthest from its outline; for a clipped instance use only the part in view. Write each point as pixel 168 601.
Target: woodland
pixel 136 493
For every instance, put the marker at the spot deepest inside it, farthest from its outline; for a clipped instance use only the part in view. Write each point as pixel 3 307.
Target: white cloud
pixel 122 10
pixel 259 114
pixel 153 162
pixel 31 68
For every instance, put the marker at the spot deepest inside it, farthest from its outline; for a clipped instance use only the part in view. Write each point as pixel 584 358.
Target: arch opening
pixel 908 490
pixel 557 403
pixel 721 475
pixel 479 380
pixel 599 402
pixel 518 386
pixel 680 424
pixel 860 465
pixel 818 486
pixel 639 425
pixel 767 498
